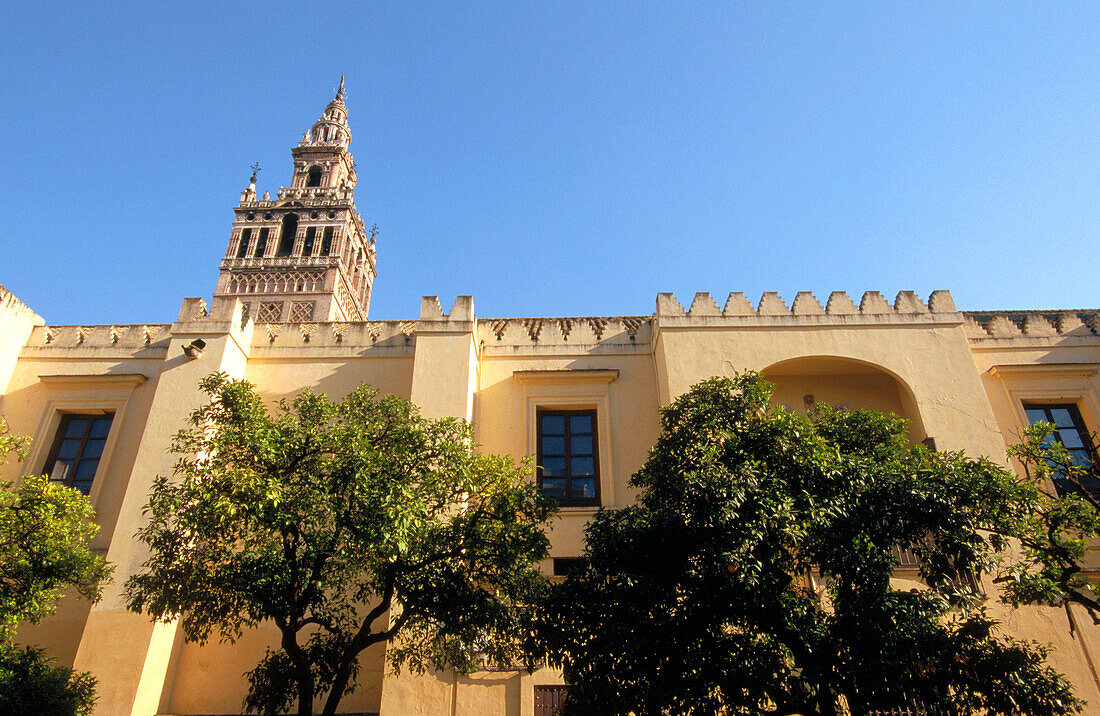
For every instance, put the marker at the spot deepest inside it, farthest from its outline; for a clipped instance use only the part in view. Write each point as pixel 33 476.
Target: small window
pixel 568 464
pixel 1069 429
pixel 307 243
pixel 242 248
pixel 74 457
pixel 326 241
pixel 314 176
pixel 566 566
pixel 261 243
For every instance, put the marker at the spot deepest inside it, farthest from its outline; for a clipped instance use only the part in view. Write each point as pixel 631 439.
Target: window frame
pixel 592 413
pixel 562 567
pixel 60 436
pixel 86 394
pixel 1083 433
pixel 572 389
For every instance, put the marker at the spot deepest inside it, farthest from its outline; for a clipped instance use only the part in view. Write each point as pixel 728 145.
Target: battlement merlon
pixel 539 333
pixel 806 308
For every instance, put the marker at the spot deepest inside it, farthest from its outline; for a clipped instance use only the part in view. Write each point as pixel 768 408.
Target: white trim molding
pixel 1053 382
pixel 572 390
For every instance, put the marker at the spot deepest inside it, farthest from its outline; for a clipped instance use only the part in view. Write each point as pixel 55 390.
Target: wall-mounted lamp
pixel 194 348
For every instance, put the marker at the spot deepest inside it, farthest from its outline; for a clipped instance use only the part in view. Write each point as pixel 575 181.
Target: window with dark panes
pixel 326 241
pixel 1069 429
pixel 566 566
pixel 75 455
pixel 307 244
pixel 568 464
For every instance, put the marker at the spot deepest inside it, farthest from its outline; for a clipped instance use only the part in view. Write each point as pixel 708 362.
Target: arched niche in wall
pixel 801 383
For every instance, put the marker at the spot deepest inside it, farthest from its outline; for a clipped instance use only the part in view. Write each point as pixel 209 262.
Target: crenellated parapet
pixel 839 308
pixel 985 325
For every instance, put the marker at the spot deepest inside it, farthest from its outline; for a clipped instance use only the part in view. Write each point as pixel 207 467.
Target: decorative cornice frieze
pixel 1019 325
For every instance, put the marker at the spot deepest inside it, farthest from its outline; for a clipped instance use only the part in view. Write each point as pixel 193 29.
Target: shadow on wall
pixel 802 383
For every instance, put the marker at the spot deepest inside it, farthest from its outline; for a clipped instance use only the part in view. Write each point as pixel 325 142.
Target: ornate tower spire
pixel 332 126
pixel 306 256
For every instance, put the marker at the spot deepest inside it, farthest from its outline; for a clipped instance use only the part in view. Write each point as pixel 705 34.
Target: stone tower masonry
pixel 305 256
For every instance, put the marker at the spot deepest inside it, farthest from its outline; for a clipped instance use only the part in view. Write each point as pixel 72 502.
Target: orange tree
pixel 45 530
pixel 753 576
pixel 344 524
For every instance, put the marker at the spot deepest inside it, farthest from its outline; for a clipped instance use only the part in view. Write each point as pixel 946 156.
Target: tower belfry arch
pixel 305 255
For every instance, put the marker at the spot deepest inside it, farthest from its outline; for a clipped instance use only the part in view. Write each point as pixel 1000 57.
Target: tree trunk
pixel 343 673
pixel 302 673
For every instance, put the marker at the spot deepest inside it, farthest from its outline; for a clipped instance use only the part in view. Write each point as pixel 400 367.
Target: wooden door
pixel 548 699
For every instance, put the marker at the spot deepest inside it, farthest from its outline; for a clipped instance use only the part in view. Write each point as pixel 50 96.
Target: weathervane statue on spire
pixel 340 92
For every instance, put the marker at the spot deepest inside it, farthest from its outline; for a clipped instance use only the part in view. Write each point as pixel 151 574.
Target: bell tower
pixel 306 255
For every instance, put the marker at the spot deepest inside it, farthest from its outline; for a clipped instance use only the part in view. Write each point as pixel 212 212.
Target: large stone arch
pixel 839 381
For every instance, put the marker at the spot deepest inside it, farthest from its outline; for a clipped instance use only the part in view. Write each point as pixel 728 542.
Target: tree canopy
pixel 344 524
pixel 753 576
pixel 45 530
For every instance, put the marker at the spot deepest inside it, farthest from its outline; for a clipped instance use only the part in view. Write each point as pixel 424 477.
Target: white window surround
pixel 572 390
pixel 1053 383
pixel 88 394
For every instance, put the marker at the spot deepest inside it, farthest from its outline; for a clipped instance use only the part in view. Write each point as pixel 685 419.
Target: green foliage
pixel 45 530
pixel 345 524
pixel 1060 527
pixel 30 685
pixel 753 575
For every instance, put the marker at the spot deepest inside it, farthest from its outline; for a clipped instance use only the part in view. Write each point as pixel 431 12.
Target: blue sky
pixel 563 158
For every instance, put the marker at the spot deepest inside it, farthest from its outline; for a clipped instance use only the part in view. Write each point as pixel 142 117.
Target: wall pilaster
pixel 445 367
pixel 127 652
pixel 444 384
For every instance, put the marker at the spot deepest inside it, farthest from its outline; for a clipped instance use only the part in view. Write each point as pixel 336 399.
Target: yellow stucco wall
pixel 959 382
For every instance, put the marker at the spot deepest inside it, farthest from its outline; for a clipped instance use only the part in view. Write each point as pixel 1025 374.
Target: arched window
pixel 307 245
pixel 286 239
pixel 242 248
pixel 261 243
pixel 326 241
pixel 313 178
